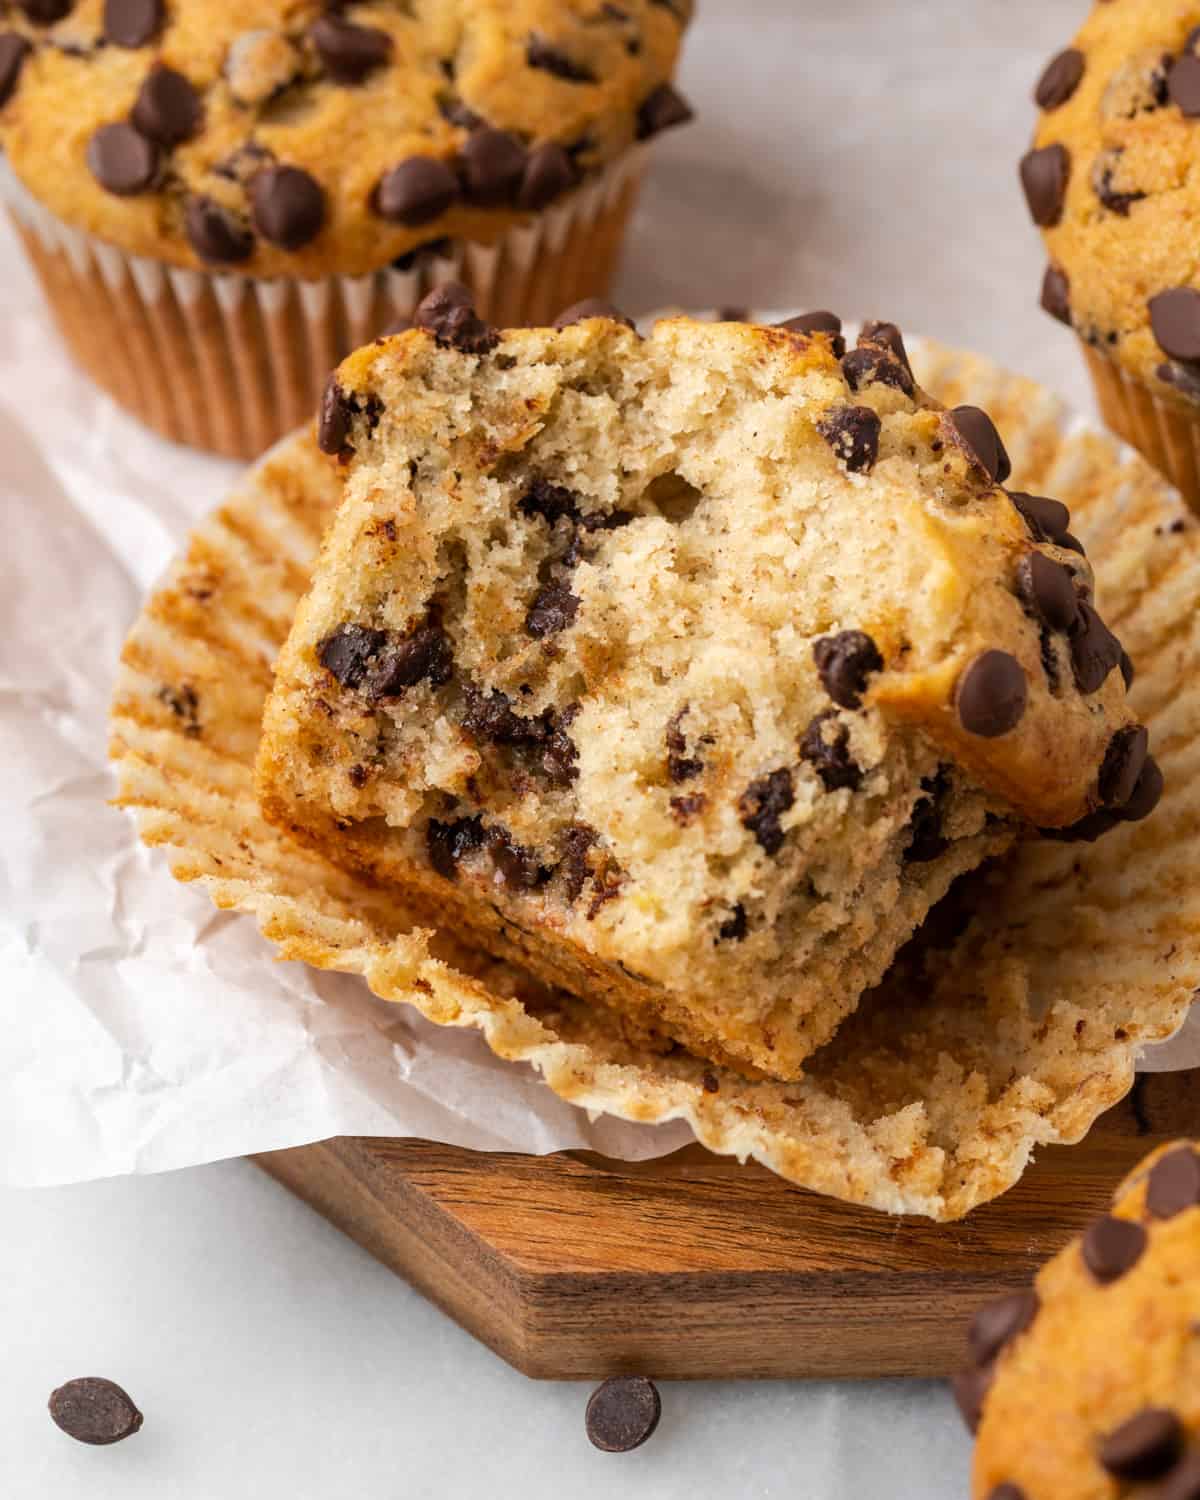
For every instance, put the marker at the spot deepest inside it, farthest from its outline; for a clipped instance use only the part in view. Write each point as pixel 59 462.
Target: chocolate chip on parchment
pixel 992 694
pixel 288 206
pixel 133 23
pixel 347 651
pixel 1056 294
pixel 622 1413
pixel 541 54
pixel 45 12
pixel 349 52
pixel 94 1410
pixel 853 434
pixel 1123 762
pixel 553 610
pixel 825 745
pixel 970 1389
pixel 761 805
pixel 1095 651
pixel 1174 1183
pixel 449 843
pixel 418 190
pixel 1111 1247
pixel 549 172
pixel 1047 590
pixel 215 233
pixel 167 107
pixel 1145 1446
pixel 492 164
pixel 14 48
pixel 997 1323
pixel 662 110
pixel 424 655
pixel 1060 79
pixel 591 307
pixel 448 312
pixel 1183 85
pixel 818 321
pixel 1044 175
pixel 1175 321
pixel 844 663
pixel 122 160
pixel 974 432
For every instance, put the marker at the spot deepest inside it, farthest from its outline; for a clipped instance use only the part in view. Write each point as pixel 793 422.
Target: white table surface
pixel 852 154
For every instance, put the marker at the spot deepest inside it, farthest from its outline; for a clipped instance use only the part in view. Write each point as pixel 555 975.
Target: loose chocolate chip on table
pixel 216 234
pixel 1183 84
pixel 1044 175
pixel 133 23
pixel 1183 1482
pixel 664 108
pixel 1145 1446
pixel 553 609
pixel 1123 763
pixel 970 1388
pixel 974 432
pixel 347 651
pixel 288 206
pixel 997 1323
pixel 1060 79
pixel 448 312
pixel 94 1410
pixel 761 804
pixel 853 434
pixel 819 321
pixel 1175 320
pixel 844 662
pixel 1056 295
pixel 539 53
pixel 448 843
pixel 349 52
pixel 549 172
pixel 492 163
pixel 871 364
pixel 1095 651
pixel 992 694
pixel 1047 590
pixel 14 48
pixel 167 108
pixel 418 190
pixel 1174 1183
pixel 825 745
pixel 591 307
pixel 122 160
pixel 622 1413
pixel 424 655
pixel 1111 1247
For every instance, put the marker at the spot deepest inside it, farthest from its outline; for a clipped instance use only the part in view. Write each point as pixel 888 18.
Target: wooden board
pixel 572 1266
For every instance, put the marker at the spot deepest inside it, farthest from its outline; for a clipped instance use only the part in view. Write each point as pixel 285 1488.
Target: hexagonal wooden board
pixel 572 1266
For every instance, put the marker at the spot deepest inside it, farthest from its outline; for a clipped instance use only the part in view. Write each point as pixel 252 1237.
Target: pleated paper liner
pixel 232 363
pixel 986 1040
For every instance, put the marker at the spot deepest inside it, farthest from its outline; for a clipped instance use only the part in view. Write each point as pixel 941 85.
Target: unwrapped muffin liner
pixel 1168 436
pixel 231 363
pixel 984 1041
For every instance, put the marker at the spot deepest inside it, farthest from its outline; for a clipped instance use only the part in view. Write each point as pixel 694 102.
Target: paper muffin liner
pixel 1166 435
pixel 232 363
pixel 1017 1031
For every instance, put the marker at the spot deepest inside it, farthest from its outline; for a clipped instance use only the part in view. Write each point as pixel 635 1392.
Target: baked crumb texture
pixel 687 671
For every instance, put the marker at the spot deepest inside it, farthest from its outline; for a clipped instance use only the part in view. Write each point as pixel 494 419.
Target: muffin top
pixel 1113 181
pixel 302 138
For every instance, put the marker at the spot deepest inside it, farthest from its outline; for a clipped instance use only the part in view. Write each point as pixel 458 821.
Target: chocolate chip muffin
pixel 689 670
pixel 1089 1384
pixel 1112 181
pixel 223 200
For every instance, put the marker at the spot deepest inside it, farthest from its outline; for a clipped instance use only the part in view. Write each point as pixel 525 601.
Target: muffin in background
pixel 1113 180
pixel 222 200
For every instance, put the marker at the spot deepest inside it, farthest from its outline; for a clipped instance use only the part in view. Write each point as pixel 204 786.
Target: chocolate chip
pixel 288 206
pixel 1007 1491
pixel 1095 651
pixel 1185 380
pixel 844 662
pixel 448 312
pixel 1175 319
pixel 549 172
pixel 14 48
pixel 680 766
pixel 424 655
pixel 663 109
pixel 45 12
pixel 449 843
pixel 1044 175
pixel 684 809
pixel 1116 200
pixel 732 930
pixel 573 865
pixel 418 190
pixel 992 694
pixel 709 1082
pixel 970 1388
pixel 825 745
pixel 591 307
pixel 492 163
pixel 997 1323
pixel 761 805
pixel 133 23
pixel 1174 1183
pixel 872 364
pixel 1183 84
pixel 974 432
pixel 550 501
pixel 490 717
pixel 1111 1247
pixel 1056 294
pixel 1127 669
pixel 1047 590
pixel 122 160
pixel 1183 1482
pixel 1146 795
pixel 349 52
pixel 886 336
pixel 347 652
pixel 1145 1447
pixel 217 235
pixel 93 1410
pixel 1060 79
pixel 622 1413
pixel 853 434
pixel 553 609
pixel 167 108
pixel 452 108
pixel 338 410
pixel 927 842
pixel 1123 763
pixel 818 322
pixel 539 53
pixel 518 867
pixel 1046 519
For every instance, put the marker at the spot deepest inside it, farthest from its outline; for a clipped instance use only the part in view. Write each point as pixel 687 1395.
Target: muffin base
pixel 1160 431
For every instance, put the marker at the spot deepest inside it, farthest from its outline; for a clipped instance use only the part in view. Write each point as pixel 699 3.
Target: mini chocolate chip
pixel 45 12
pixel 1056 294
pixel 1060 79
pixel 1095 651
pixel 167 108
pixel 14 48
pixel 1174 1183
pixel 448 843
pixel 664 108
pixel 1145 1447
pixel 549 172
pixel 541 54
pixel 622 1413
pixel 492 163
pixel 1146 795
pixel 1175 319
pixel 418 190
pixel 1116 200
pixel 591 307
pixel 550 501
pixel 970 1388
pixel 94 1410
pixel 761 804
pixel 349 52
pixel 448 312
pixel 844 662
pixel 1183 84
pixel 819 321
pixel 519 867
pixel 825 745
pixel 288 206
pixel 133 23
pixel 974 432
pixel 553 609
pixel 1047 590
pixel 997 1323
pixel 732 930
pixel 347 651
pixel 853 434
pixel 992 694
pixel 872 364
pixel 424 655
pixel 122 160
pixel 1111 1247
pixel 1183 1482
pixel 1127 668
pixel 1044 175
pixel 1123 763
pixel 216 234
